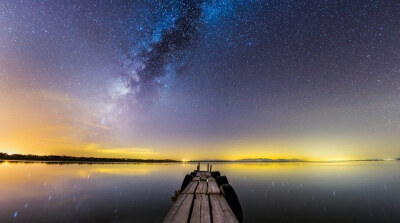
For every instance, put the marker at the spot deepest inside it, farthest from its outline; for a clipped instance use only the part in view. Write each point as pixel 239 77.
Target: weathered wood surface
pixel 221 212
pixel 201 202
pixel 201 209
pixel 213 187
pixel 202 187
pixel 181 209
pixel 191 188
pixel 203 173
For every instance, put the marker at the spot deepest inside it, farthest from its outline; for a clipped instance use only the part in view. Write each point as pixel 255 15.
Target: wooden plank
pixel 205 209
pixel 201 173
pixel 196 178
pixel 180 210
pixel 202 188
pixel 203 178
pixel 221 212
pixel 175 207
pixel 230 216
pixel 191 188
pixel 213 187
pixel 196 211
pixel 218 215
pixel 182 214
pixel 201 210
pixel 208 174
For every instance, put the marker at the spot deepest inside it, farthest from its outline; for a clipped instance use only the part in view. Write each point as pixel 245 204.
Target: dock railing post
pixel 198 166
pixel 210 168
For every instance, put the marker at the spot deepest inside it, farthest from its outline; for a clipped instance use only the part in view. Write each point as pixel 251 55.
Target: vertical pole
pixel 210 168
pixel 198 166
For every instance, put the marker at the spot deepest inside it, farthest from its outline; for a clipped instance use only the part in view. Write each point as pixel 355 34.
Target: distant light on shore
pixel 8 151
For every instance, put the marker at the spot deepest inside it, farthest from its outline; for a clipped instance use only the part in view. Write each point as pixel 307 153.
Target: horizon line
pixel 191 160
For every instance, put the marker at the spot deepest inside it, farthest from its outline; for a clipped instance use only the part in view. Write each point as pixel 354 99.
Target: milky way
pixel 172 39
pixel 176 74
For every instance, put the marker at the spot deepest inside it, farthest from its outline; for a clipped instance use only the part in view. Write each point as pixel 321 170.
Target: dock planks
pixel 213 187
pixel 220 209
pixel 181 209
pixel 201 209
pixel 201 202
pixel 191 188
pixel 202 187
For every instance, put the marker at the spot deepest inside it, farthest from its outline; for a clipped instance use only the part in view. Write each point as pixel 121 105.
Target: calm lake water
pixel 268 192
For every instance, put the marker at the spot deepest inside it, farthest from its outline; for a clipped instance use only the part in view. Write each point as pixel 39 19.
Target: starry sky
pixel 201 79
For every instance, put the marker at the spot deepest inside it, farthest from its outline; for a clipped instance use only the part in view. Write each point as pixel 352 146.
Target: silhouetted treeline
pixel 5 156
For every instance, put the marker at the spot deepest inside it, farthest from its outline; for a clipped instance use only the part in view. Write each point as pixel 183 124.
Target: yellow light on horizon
pixel 8 151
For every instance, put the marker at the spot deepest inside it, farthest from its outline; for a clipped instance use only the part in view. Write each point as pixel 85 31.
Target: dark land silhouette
pixel 31 157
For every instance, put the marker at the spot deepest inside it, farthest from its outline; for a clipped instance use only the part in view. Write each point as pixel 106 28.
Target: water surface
pixel 269 192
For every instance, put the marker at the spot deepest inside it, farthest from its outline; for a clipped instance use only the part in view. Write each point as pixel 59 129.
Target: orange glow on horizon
pixel 52 123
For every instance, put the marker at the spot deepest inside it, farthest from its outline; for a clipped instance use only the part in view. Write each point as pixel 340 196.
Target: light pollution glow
pixel 77 82
pixel 44 123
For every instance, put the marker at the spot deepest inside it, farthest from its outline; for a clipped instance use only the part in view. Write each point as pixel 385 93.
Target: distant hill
pixel 269 160
pixel 30 157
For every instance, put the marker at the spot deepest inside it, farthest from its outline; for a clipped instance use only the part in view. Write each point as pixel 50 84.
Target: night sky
pixel 201 79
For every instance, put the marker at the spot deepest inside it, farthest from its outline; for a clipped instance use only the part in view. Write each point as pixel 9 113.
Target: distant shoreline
pixel 73 159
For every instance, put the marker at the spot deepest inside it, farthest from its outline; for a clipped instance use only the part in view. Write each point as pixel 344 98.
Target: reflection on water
pixel 269 192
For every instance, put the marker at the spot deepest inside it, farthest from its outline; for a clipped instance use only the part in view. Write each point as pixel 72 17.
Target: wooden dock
pixel 201 201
